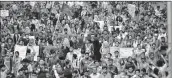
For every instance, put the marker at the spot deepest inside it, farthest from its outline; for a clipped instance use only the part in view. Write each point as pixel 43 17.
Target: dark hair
pixel 143 70
pixel 137 70
pixel 28 51
pixel 32 27
pixel 17 52
pixel 52 51
pixel 104 67
pixel 160 63
pixel 156 71
pixel 75 56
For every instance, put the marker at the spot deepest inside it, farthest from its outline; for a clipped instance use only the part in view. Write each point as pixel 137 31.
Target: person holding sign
pixel 16 62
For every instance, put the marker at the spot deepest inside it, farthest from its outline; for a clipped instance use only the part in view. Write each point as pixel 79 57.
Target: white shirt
pixel 69 56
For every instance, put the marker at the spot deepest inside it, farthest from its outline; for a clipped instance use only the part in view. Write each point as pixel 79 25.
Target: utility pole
pixel 169 20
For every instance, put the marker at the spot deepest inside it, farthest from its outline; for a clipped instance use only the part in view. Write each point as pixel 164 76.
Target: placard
pixel 101 24
pixel 126 52
pixel 21 50
pixel 4 13
pixel 31 37
pixel 36 50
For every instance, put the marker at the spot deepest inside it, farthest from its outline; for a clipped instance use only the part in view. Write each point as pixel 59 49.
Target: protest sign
pixel 126 52
pixel 34 49
pixel 21 50
pixel 31 37
pixel 4 13
pixel 131 9
pixel 110 28
pixel 101 24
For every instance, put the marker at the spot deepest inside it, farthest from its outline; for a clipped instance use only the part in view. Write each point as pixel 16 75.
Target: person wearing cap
pixel 26 66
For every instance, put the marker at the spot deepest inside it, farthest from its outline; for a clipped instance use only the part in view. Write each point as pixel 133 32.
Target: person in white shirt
pixel 95 74
pixel 69 55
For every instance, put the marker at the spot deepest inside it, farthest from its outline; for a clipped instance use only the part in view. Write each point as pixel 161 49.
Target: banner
pixel 21 50
pixel 36 50
pixel 126 52
pixel 131 9
pixel 4 13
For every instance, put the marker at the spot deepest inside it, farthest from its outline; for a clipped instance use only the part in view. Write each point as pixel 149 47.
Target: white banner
pixel 4 13
pixel 126 52
pixel 36 50
pixel 21 50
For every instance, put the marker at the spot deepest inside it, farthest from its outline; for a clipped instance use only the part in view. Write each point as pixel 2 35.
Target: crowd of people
pixel 74 44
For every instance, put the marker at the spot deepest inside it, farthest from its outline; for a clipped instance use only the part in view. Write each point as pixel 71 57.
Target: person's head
pixel 160 63
pixel 137 72
pixel 74 73
pixel 151 55
pixel 158 7
pixel 86 73
pixel 153 45
pixel 25 62
pixel 41 62
pixel 143 60
pixel 17 54
pixel 163 39
pixel 110 61
pixel 92 37
pixel 138 37
pixel 21 71
pixel 9 40
pixel 131 69
pixel 87 55
pixel 94 70
pixel 2 67
pixel 65 30
pixel 21 42
pixel 130 59
pixel 117 44
pixel 52 52
pixel 104 69
pixel 96 63
pixel 71 49
pixel 116 53
pixel 109 55
pixel 74 56
pixel 122 61
pixel 143 71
